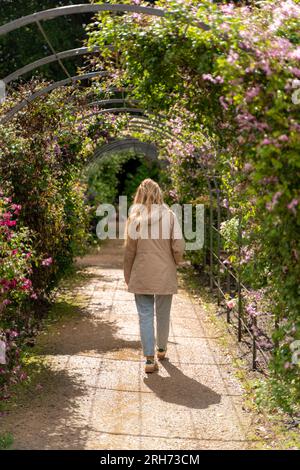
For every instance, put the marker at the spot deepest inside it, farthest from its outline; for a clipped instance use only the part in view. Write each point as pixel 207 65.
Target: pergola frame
pixel 112 110
pixel 48 60
pixel 147 148
pixel 36 18
pixel 212 182
pixel 46 90
pixel 85 8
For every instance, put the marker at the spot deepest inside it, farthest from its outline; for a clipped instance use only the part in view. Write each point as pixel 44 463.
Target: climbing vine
pixel 222 99
pixel 227 92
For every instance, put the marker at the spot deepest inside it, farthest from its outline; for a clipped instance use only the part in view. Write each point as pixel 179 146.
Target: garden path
pixel 95 394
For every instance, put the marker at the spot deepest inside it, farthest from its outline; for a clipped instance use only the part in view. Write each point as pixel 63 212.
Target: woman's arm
pixel 129 255
pixel 177 241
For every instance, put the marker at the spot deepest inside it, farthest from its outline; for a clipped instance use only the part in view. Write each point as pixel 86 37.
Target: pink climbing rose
pixel 26 284
pixel 230 304
pixel 47 261
pixel 292 205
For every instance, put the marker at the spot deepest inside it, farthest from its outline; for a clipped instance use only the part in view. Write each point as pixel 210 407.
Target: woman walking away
pixel 154 246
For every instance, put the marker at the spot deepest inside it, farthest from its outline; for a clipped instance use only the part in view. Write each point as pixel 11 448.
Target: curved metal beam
pixel 76 9
pixel 112 110
pixel 83 8
pixel 48 60
pixel 104 90
pixel 154 124
pixel 47 89
pixel 125 144
pixel 109 101
pixel 136 128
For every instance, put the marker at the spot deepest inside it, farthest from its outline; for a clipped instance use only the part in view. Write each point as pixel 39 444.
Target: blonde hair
pixel 147 193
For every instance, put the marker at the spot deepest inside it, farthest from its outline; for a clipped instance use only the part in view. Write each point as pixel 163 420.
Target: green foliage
pixel 6 440
pixel 229 231
pixel 113 175
pixel 225 96
pixel 278 392
pixel 227 93
pixel 40 165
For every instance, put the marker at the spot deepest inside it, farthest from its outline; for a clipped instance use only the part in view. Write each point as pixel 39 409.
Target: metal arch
pixel 112 110
pixel 47 89
pixel 155 125
pixel 147 149
pixel 83 8
pixel 49 59
pixel 110 101
pixel 135 128
pixel 140 123
pixel 108 91
pixel 128 143
pixel 147 118
pixel 57 12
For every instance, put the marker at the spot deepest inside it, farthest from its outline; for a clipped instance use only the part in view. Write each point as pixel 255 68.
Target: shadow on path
pixel 84 334
pixel 180 389
pixel 49 417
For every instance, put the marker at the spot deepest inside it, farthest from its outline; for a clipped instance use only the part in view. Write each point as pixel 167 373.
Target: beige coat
pixel 150 263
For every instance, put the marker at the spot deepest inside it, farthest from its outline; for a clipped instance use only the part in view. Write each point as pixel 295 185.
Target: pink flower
pixel 266 141
pixel 12 283
pixel 270 205
pixel 26 285
pixel 252 93
pixel 8 223
pixel 292 205
pixel 13 334
pixel 14 252
pixel 47 261
pixel 295 71
pixel 223 102
pixel 265 66
pixel 16 208
pixel 7 215
pixel 227 9
pixel 225 203
pixel 283 138
pixel 230 304
pixel 295 54
pixel 210 78
pixel 33 295
pixel 251 310
pixel 232 57
pixel 248 167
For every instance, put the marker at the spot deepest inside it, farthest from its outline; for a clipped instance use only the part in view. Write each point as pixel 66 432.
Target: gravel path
pixel 95 394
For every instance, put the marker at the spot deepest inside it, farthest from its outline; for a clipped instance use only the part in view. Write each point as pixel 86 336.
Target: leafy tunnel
pixel 206 93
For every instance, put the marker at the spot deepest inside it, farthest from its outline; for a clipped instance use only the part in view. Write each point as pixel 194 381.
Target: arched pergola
pixel 141 121
pixel 52 13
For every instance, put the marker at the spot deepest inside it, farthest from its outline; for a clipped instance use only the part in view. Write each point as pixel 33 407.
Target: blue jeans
pixel 145 307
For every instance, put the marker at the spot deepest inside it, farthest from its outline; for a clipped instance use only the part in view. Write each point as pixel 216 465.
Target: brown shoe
pixel 150 366
pixel 161 354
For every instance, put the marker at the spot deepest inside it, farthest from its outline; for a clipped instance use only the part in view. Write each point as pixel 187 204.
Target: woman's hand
pixel 184 263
